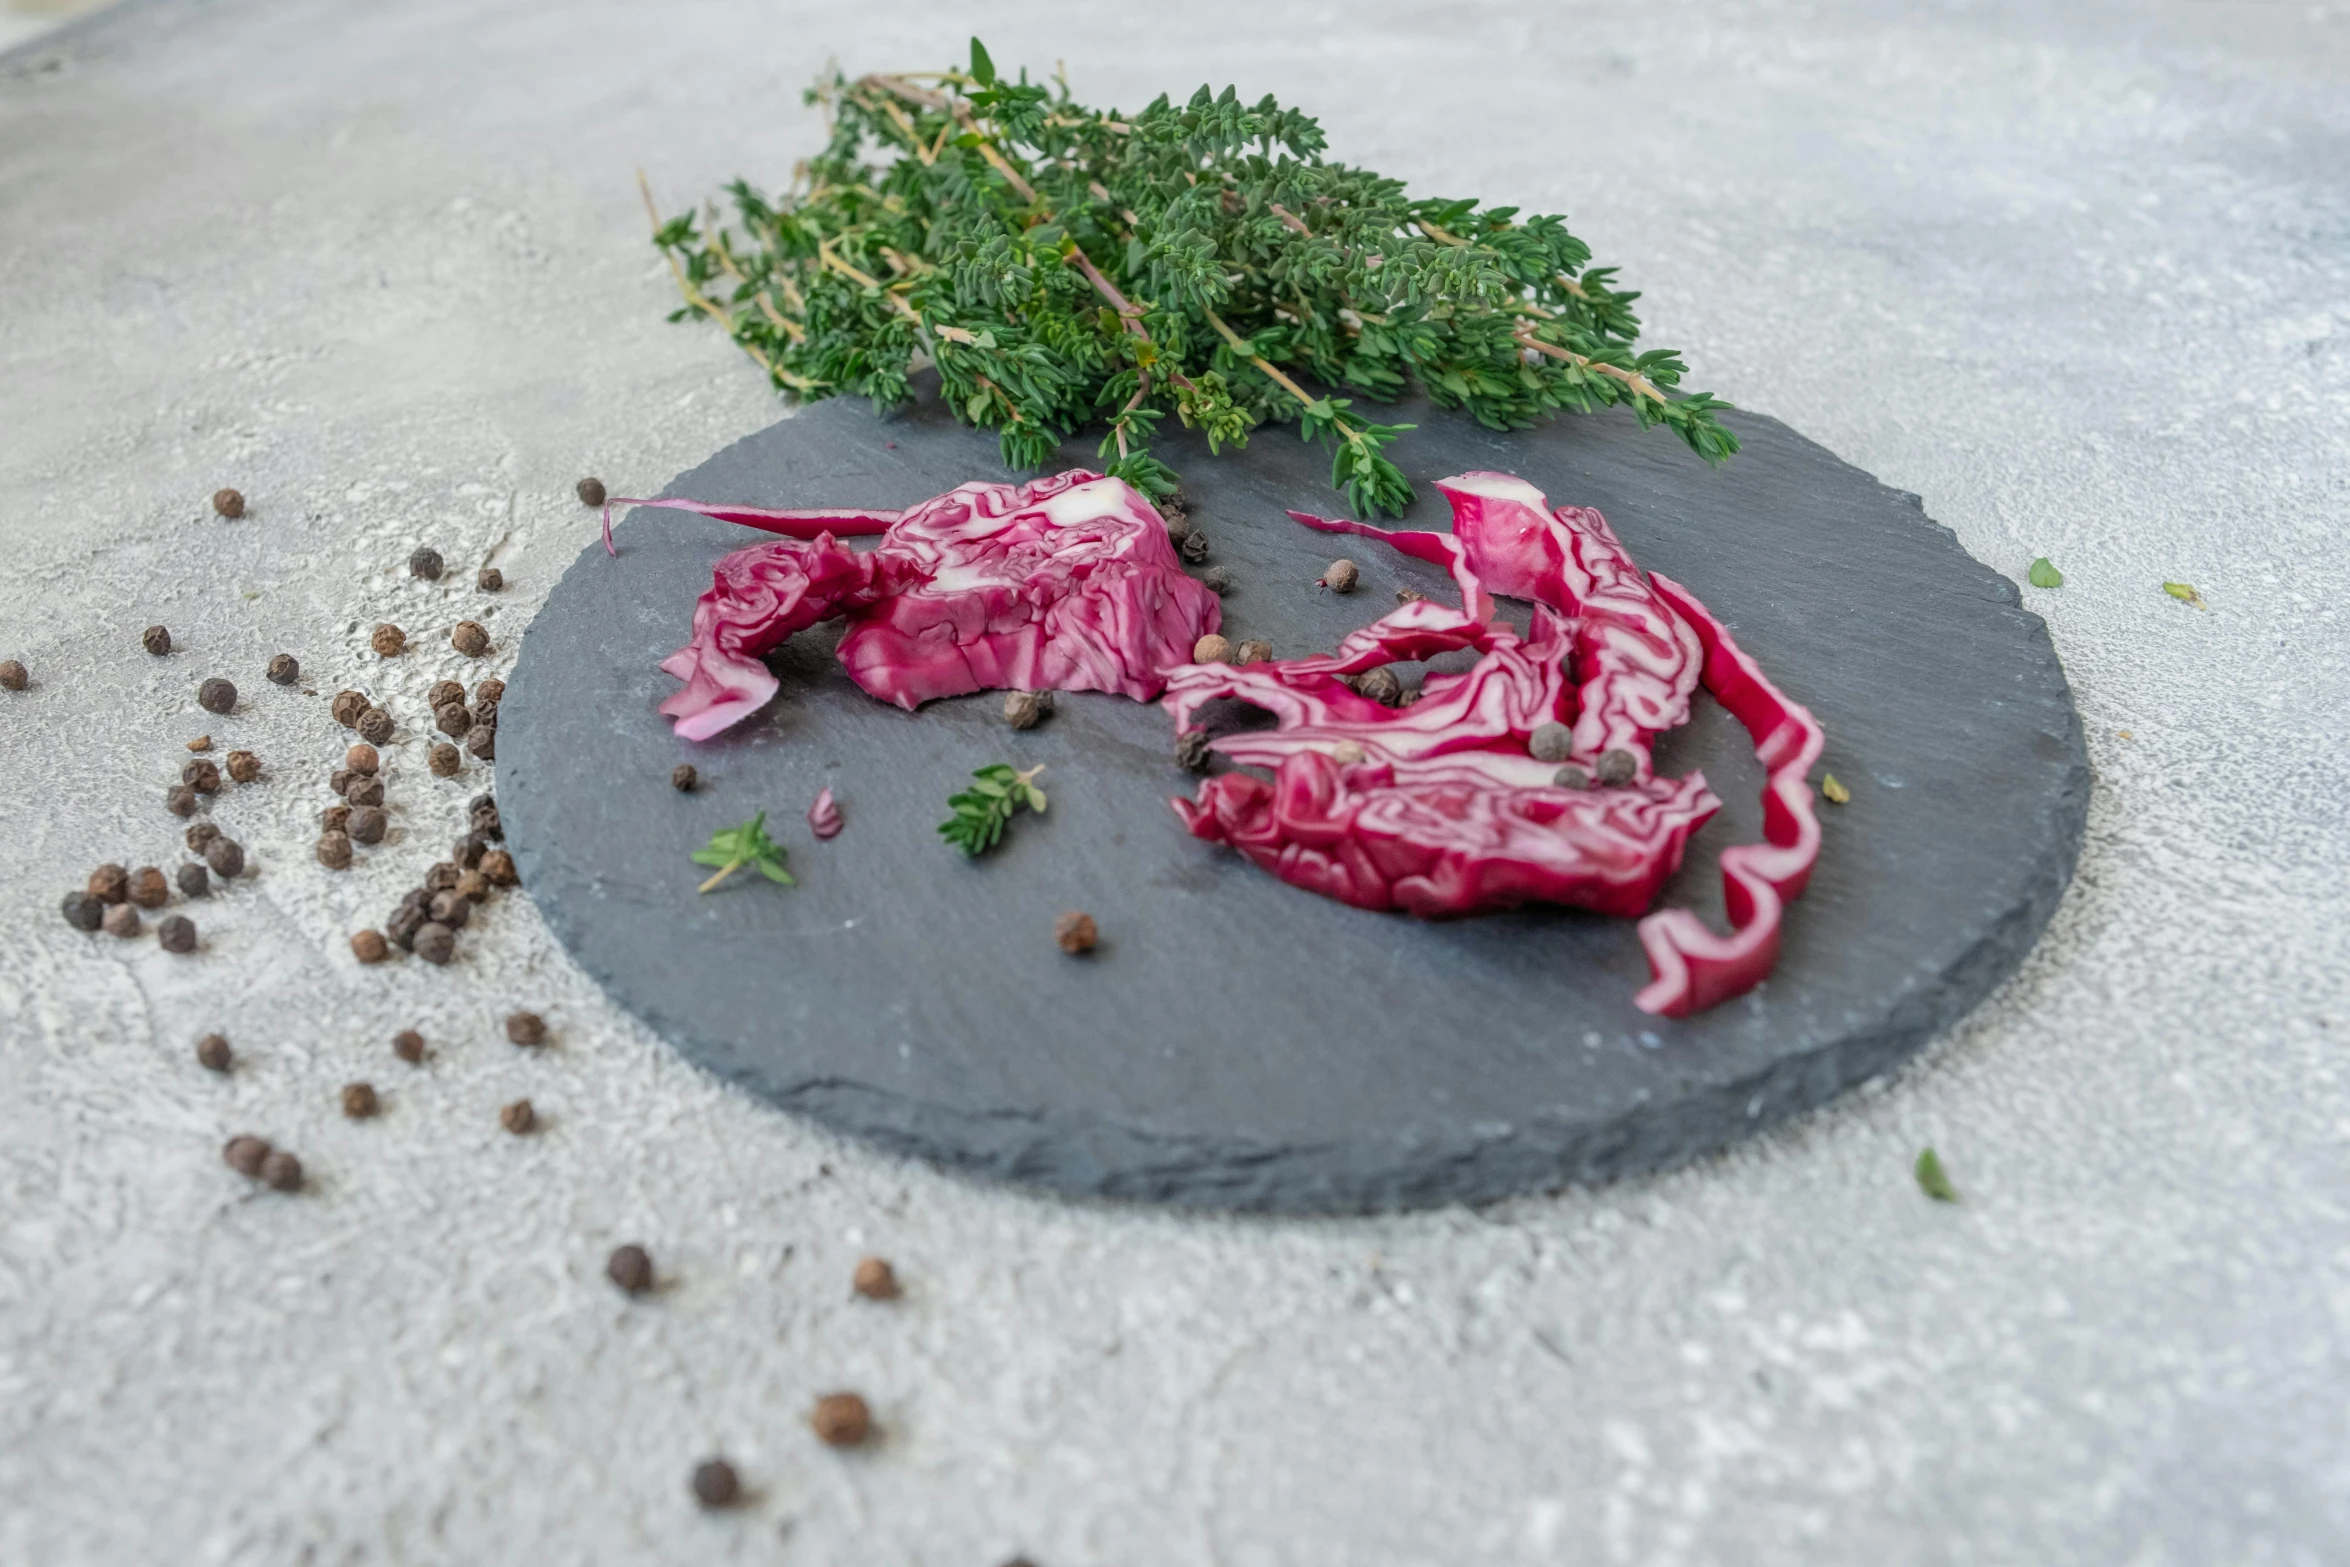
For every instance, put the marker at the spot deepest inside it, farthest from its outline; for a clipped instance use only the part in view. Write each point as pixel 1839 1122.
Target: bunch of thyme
pixel 1062 265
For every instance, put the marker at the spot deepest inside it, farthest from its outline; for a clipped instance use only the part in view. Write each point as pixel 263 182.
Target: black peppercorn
pixel 226 856
pixel 364 790
pixel 368 824
pixel 200 836
pixel 1075 933
pixel 176 933
pixel 444 760
pixel 1194 546
pixel 1191 750
pixel 482 741
pixel 486 821
pixel 228 503
pixel 1252 651
pixel 359 1101
pixel 375 726
pixel 216 695
pixel 245 1154
pixel 388 640
pixel 1551 742
pixel 490 580
pixel 526 1028
pixel 281 1172
pixel 474 885
pixel 466 853
pixel 201 776
pixel 498 866
pixel 485 713
pixel 180 800
pixel 1216 580
pixel 156 640
pixel 408 1045
pixel 1409 596
pixel 875 1279
pixel 453 719
pixel 284 669
pixel 591 492
pixel 470 637
pixel 335 818
pixel 213 1053
pixel 122 920
pixel 1340 576
pixel 195 881
pixel 715 1482
pixel 243 766
pixel 451 908
pixel 425 563
pixel 682 778
pixel 148 889
pixel 110 884
pixel 518 1117
pixel 490 690
pixel 334 851
pixel 1380 685
pixel 82 911
pixel 347 706
pixel 402 927
pixel 1617 768
pixel 13 676
pixel 631 1268
pixel 441 877
pixel 368 946
pixel 442 693
pixel 435 943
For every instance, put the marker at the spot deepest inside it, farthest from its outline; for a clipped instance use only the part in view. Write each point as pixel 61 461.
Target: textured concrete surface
pixel 2078 279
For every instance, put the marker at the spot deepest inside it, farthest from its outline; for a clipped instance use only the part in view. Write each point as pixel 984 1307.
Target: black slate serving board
pixel 1235 1042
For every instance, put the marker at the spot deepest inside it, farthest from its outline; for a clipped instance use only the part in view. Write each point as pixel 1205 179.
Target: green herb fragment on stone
pixel 1836 792
pixel 2045 575
pixel 2184 594
pixel 983 810
pixel 1931 1179
pixel 732 848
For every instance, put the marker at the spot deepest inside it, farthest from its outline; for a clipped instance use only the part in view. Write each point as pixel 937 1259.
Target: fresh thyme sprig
pixel 983 810
pixel 732 848
pixel 1062 265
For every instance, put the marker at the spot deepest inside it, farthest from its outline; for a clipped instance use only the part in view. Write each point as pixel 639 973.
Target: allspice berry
pixel 388 640
pixel 213 1053
pixel 470 637
pixel 243 766
pixel 715 1482
pixel 482 742
pixel 498 866
pixel 682 778
pixel 408 1045
pixel 148 889
pixel 281 1172
pixel 435 943
pixel 195 880
pixel 631 1268
pixel 347 706
pixel 201 775
pixel 284 669
pixel 362 758
pixel 156 640
pixel 875 1279
pixel 1211 649
pixel 368 824
pixel 359 1101
pixel 1026 709
pixel 425 564
pixel 444 760
pixel 228 503
pixel 591 492
pixel 841 1420
pixel 518 1117
pixel 334 851
pixel 1340 576
pixel 369 946
pixel 176 933
pixel 245 1154
pixel 526 1028
pixel 110 884
pixel 1252 651
pixel 216 695
pixel 1075 933
pixel 375 726
pixel 13 676
pixel 226 856
pixel 122 920
pixel 1551 742
pixel 490 580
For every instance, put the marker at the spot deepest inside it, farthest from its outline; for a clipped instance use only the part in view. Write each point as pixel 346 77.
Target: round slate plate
pixel 1235 1042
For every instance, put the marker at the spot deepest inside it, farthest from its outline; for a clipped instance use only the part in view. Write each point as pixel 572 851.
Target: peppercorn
pixel 1409 596
pixel 1571 776
pixel 875 1280
pixel 440 878
pixel 425 563
pixel 195 881
pixel 1252 651
pixel 1380 685
pixel 362 758
pixel 591 491
pixel 364 790
pixel 176 933
pixel 245 1154
pixel 216 695
pixel 1211 649
pixel 1075 932
pixel 1194 546
pixel 1617 768
pixel 228 503
pixel 470 637
pixel 1191 750
pixel 631 1268
pixel 347 706
pixel 491 690
pixel 715 1483
pixel 1178 525
pixel 200 743
pixel 368 824
pixel 213 1053
pixel 369 946
pixel 281 1172
pixel 444 760
pixel 1551 742
pixel 526 1028
pixel 1216 580
pixel 284 669
pixel 408 1045
pixel 841 1420
pixel 482 741
pixel 334 850
pixel 518 1117
pixel 335 818
pixel 226 856
pixel 682 778
pixel 156 640
pixel 200 836
pixel 473 885
pixel 453 719
pixel 435 943
pixel 1346 753
pixel 13 676
pixel 388 640
pixel 375 726
pixel 359 1100
pixel 498 866
pixel 451 908
pixel 243 766
pixel 110 884
pixel 148 889
pixel 201 776
pixel 402 927
pixel 490 580
pixel 82 911
pixel 1340 576
pixel 1025 709
pixel 485 818
pixel 122 920
pixel 180 800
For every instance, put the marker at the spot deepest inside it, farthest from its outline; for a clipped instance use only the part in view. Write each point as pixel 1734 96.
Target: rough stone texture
pixel 2076 276
pixel 1239 1043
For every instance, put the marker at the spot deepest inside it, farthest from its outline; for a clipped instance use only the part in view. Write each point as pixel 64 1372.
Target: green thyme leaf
pixel 1931 1180
pixel 2184 594
pixel 982 811
pixel 2045 575
pixel 732 848
pixel 1836 793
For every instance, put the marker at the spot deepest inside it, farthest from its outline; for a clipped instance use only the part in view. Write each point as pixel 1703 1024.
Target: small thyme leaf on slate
pixel 732 848
pixel 983 810
pixel 2184 594
pixel 2045 575
pixel 1931 1179
pixel 1837 794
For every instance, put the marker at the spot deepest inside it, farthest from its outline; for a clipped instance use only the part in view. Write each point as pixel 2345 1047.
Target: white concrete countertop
pixel 2082 281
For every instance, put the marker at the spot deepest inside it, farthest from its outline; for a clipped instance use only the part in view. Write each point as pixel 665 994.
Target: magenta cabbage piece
pixel 1067 583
